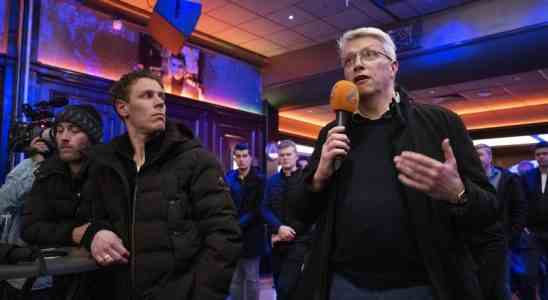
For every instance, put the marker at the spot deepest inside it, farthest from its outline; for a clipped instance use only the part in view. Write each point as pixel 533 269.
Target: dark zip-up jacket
pixel 438 226
pixel 537 217
pixel 57 203
pixel 175 216
pixel 511 195
pixel 282 193
pixel 247 195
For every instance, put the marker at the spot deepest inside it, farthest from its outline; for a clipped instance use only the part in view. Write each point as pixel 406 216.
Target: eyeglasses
pixel 366 55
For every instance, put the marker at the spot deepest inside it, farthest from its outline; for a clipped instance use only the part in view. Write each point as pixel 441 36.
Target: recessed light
pixel 291 17
pixel 117 24
pixel 432 92
pixel 484 94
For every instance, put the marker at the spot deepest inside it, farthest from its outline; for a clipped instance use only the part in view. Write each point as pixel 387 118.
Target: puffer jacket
pixel 175 216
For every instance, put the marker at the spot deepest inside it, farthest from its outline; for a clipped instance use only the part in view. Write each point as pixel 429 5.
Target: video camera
pixel 41 117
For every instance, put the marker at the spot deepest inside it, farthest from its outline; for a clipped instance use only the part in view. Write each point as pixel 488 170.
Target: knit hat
pixel 85 117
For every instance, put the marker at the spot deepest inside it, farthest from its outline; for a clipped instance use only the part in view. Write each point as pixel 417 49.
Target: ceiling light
pixel 484 94
pixel 432 92
pixel 508 141
pixel 291 17
pixel 304 149
pixel 117 24
pixel 543 137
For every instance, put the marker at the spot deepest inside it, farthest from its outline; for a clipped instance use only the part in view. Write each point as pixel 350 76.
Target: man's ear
pixel 395 67
pixel 121 108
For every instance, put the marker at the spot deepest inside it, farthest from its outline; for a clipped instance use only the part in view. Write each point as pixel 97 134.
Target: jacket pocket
pixel 176 288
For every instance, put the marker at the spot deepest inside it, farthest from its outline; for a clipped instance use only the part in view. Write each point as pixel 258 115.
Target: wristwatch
pixel 461 198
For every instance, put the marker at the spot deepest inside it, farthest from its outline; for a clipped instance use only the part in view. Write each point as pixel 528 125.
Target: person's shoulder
pixel 506 173
pixel 276 177
pixel 531 173
pixel 231 174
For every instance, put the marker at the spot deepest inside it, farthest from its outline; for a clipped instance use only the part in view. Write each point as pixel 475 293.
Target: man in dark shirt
pixel 392 221
pixel 494 271
pixel 290 237
pixel 247 188
pixel 535 184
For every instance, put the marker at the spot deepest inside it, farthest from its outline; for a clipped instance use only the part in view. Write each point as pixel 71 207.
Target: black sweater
pixel 374 246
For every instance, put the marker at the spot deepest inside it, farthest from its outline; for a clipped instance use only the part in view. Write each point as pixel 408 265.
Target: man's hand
pixel 275 238
pixel 286 233
pixel 78 233
pixel 438 180
pixel 107 248
pixel 40 146
pixel 336 145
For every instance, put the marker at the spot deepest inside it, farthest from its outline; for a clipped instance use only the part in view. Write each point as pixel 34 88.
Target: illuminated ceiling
pixel 271 28
pixel 502 80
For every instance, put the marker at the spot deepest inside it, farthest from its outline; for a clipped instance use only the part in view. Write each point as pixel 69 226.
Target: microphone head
pixel 344 96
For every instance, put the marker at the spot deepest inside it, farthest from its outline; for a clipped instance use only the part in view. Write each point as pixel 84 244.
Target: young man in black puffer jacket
pixel 167 223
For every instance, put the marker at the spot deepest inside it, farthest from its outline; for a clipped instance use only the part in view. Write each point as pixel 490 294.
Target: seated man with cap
pixel 59 206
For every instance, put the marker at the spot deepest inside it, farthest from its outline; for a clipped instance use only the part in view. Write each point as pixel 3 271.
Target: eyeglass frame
pixel 359 54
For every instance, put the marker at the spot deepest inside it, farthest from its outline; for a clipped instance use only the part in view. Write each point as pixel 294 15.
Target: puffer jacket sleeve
pixel 41 226
pixel 216 217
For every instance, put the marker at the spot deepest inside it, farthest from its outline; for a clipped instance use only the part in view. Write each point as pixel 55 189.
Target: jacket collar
pixel 176 138
pixel 54 165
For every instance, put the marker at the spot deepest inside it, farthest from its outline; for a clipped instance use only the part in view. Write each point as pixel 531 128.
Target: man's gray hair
pixel 383 37
pixel 286 144
pixel 483 146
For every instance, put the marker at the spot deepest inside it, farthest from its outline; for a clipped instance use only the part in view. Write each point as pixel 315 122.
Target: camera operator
pixel 18 182
pixel 12 197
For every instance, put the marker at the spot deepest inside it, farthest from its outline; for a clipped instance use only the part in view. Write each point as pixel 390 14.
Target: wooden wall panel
pixel 218 128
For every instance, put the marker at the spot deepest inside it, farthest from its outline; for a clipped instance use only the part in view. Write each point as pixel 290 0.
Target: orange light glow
pixel 493 106
pixel 529 111
pixel 306 119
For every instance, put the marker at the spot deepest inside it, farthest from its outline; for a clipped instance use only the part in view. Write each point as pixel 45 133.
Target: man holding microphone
pixel 394 214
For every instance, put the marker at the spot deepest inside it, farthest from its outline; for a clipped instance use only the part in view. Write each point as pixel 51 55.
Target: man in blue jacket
pixel 247 187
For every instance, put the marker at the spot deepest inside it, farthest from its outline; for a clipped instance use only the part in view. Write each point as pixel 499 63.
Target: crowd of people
pixel 415 211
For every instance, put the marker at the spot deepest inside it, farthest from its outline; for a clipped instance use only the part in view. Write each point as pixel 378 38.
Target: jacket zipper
pixel 132 234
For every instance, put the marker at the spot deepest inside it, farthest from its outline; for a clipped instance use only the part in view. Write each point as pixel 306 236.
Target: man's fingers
pixel 114 254
pixel 338 152
pixel 119 247
pixel 338 137
pixel 447 150
pixel 412 183
pixel 413 169
pixel 336 129
pixel 338 145
pixel 420 159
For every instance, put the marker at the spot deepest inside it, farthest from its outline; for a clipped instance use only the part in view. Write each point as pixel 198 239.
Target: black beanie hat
pixel 84 116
